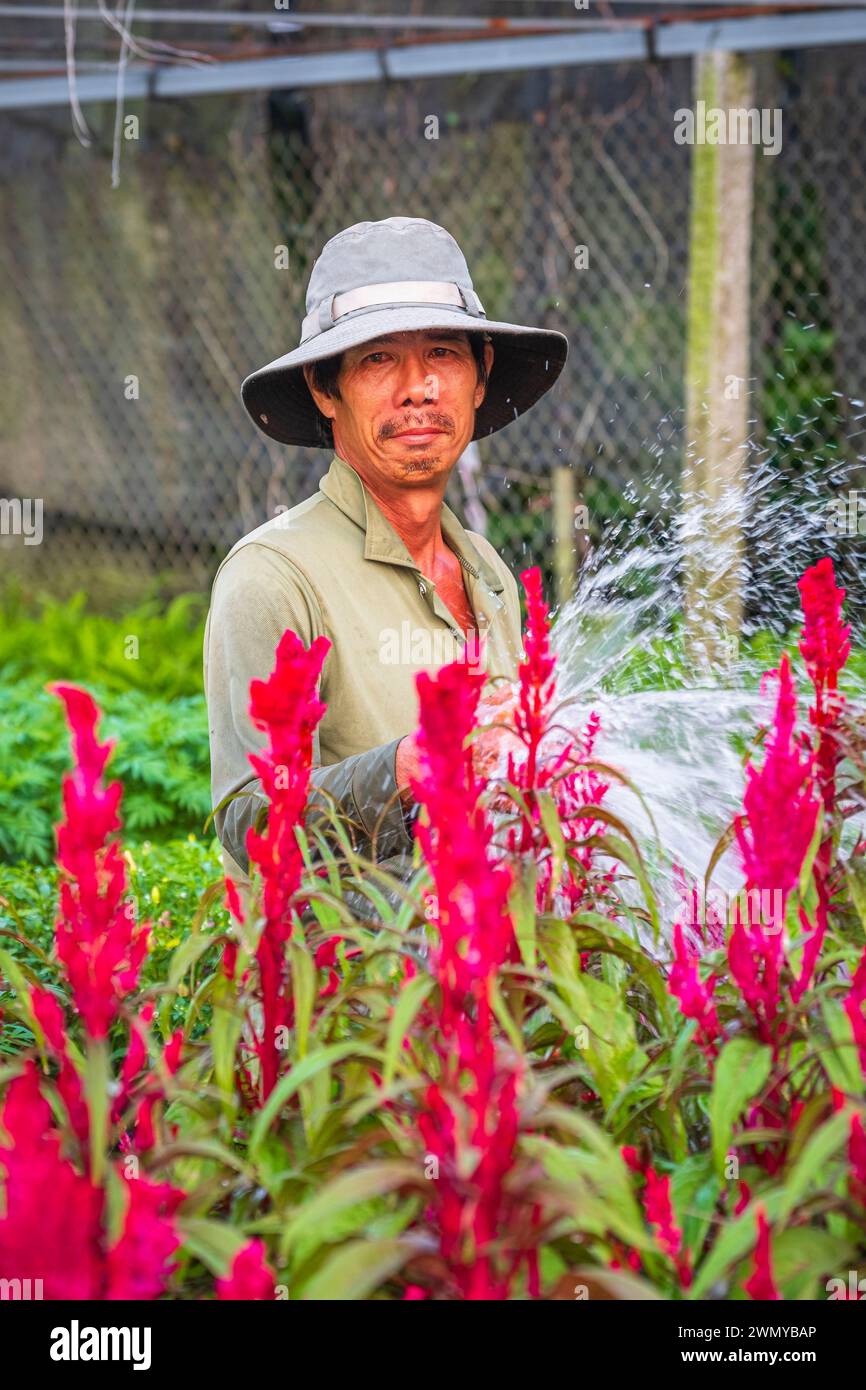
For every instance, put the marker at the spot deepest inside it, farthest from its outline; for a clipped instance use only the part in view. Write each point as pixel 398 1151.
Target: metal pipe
pixel 442 59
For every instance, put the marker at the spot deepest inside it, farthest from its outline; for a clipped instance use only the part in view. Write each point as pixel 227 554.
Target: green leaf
pixel 598 1162
pixel 735 1239
pixel 741 1071
pixel 304 993
pixel 11 970
pixel 553 830
pixel 521 905
pixel 805 879
pixel 595 932
pixel 185 955
pixel 809 1168
pixel 357 1185
pixel 358 1269
pixel 97 1073
pixel 611 1047
pixel 215 1243
pixel 856 878
pixel 300 1073
pixel 694 1192
pixel 803 1257
pixel 409 1002
pixel 225 1033
pixel 614 1283
pixel 840 1059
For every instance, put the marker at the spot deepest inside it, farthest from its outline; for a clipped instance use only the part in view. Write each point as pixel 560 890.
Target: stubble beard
pixel 422 465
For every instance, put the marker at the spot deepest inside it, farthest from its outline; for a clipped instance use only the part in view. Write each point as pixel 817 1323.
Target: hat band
pixel 395 292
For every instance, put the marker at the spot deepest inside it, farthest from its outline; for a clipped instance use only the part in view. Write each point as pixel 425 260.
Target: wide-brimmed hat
pixel 395 276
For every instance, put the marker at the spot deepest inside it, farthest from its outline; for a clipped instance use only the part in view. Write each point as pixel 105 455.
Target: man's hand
pixel 406 765
pixel 497 704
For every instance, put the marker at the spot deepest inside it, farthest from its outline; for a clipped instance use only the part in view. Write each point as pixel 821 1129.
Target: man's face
pixel 407 404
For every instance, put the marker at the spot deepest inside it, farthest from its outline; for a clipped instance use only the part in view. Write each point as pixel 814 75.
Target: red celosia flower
pixel 474 1139
pixel 853 1006
pixel 286 707
pixel 151 1092
pixel 230 959
pixel 622 1255
pixel 824 645
pixel 631 1158
pixel 825 648
pixel 97 938
pixel 660 1214
pixel 49 1015
pixel 53 1227
pixel 744 1198
pixel 325 957
pixel 760 1284
pixel 562 771
pixel 781 809
pixel 780 804
pixel 250 1277
pixel 147 1084
pixel 695 996
pixel 475 930
pixel 537 678
pixel 139 1265
pixel 135 1060
pixel 233 900
pixel 700 927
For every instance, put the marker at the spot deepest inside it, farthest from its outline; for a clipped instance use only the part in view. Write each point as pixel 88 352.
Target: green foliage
pixel 162 756
pixel 166 884
pixel 152 648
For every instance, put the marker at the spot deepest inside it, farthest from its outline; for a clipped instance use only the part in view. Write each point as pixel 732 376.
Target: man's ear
pixel 481 391
pixel 323 400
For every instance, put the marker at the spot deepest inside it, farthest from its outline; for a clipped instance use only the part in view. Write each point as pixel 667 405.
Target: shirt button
pixel 421 588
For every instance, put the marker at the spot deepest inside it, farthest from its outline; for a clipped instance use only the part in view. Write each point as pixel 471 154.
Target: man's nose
pixel 416 383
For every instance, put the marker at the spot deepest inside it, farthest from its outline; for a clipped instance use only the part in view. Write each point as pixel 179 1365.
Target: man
pixel 398 369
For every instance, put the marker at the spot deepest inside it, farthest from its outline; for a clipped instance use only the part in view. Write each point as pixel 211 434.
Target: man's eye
pixel 443 349
pixel 372 356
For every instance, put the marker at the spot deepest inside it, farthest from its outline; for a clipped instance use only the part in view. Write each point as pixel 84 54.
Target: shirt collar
pixel 343 486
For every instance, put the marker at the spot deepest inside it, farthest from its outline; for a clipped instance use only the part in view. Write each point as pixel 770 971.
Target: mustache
pixel 434 421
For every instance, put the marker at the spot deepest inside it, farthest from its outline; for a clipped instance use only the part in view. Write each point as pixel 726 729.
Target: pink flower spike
pixel 853 1006
pixel 824 644
pixel 695 997
pixel 660 1213
pixel 101 946
pixel 760 1285
pixel 250 1278
pixel 286 707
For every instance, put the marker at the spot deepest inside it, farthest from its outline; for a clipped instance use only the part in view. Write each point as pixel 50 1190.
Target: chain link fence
pixel 131 314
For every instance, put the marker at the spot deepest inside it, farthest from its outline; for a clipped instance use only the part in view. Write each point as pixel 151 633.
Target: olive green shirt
pixel 334 565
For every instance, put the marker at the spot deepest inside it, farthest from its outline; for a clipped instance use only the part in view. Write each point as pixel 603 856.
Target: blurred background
pixel 145 273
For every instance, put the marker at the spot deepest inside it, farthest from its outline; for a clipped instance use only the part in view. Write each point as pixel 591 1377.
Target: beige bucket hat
pixel 394 276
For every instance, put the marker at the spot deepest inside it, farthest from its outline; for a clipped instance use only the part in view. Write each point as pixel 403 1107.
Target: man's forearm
pixel 362 789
